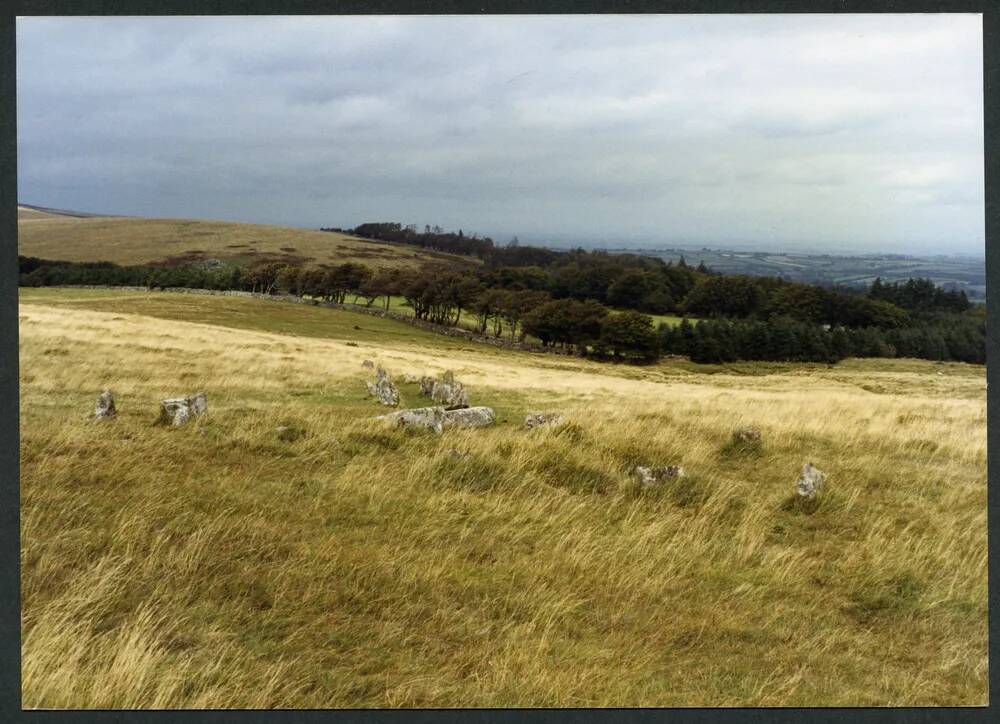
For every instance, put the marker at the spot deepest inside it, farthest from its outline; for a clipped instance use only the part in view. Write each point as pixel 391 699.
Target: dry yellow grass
pixel 131 240
pixel 359 566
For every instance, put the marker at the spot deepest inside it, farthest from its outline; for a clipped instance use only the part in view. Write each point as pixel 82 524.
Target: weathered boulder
pixel 811 482
pixel 657 475
pixel 199 403
pixel 746 436
pixel 410 379
pixel 429 417
pixel 105 408
pixel 426 385
pixel 175 411
pixel 469 417
pixel 449 391
pixel 537 419
pixel 383 389
pixel 368 364
pixel 178 410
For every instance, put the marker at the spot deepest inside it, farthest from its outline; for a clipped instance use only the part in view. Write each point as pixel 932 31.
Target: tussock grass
pixel 356 565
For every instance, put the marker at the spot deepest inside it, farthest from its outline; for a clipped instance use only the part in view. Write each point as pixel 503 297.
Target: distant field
pixel 129 240
pixel 965 273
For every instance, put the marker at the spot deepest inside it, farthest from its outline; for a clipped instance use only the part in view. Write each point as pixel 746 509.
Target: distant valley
pixel 953 272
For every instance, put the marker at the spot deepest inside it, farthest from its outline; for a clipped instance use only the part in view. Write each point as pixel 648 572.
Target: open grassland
pixel 130 240
pixel 358 566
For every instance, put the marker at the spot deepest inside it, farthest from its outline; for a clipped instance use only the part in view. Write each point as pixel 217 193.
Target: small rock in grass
pixel 426 385
pixel 178 410
pixel 537 419
pixel 811 482
pixel 449 391
pixel 469 417
pixel 747 436
pixel 105 408
pixel 657 475
pixel 383 389
pixel 429 417
pixel 368 364
pixel 437 418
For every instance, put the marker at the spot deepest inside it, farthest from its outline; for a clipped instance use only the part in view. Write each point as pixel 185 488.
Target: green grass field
pixel 218 565
pixel 252 314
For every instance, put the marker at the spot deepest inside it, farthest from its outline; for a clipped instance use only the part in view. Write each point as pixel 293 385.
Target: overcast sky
pixel 841 133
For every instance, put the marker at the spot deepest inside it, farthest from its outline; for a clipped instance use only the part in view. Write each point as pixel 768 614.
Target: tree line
pixel 648 284
pixel 959 337
pixel 919 295
pixel 628 281
pixel 431 238
pixel 566 305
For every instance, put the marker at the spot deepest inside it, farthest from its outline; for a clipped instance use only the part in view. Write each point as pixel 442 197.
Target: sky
pixel 834 133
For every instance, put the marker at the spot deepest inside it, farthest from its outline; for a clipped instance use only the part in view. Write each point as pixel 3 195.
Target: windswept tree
pixel 440 295
pixel 264 277
pixel 629 335
pixel 463 290
pixel 798 301
pixel 641 290
pixel 371 289
pixel 510 277
pixel 343 279
pixel 311 282
pixel 290 280
pixel 515 303
pixel 732 296
pixel 486 308
pixel 414 288
pixel 566 322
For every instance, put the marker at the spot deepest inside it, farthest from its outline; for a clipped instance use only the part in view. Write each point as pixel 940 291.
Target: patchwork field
pixel 216 565
pixel 130 240
pixel 966 273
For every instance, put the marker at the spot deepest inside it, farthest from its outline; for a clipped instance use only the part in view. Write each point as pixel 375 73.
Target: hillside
pixel 26 212
pixel 216 565
pixel 131 240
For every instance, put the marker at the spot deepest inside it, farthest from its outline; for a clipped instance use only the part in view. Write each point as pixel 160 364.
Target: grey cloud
pixel 769 130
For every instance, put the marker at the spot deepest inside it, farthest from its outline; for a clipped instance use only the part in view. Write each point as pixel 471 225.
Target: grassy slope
pixel 215 565
pixel 130 240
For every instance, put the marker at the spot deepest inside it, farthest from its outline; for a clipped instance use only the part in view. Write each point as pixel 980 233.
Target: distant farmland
pixel 49 234
pixel 961 272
